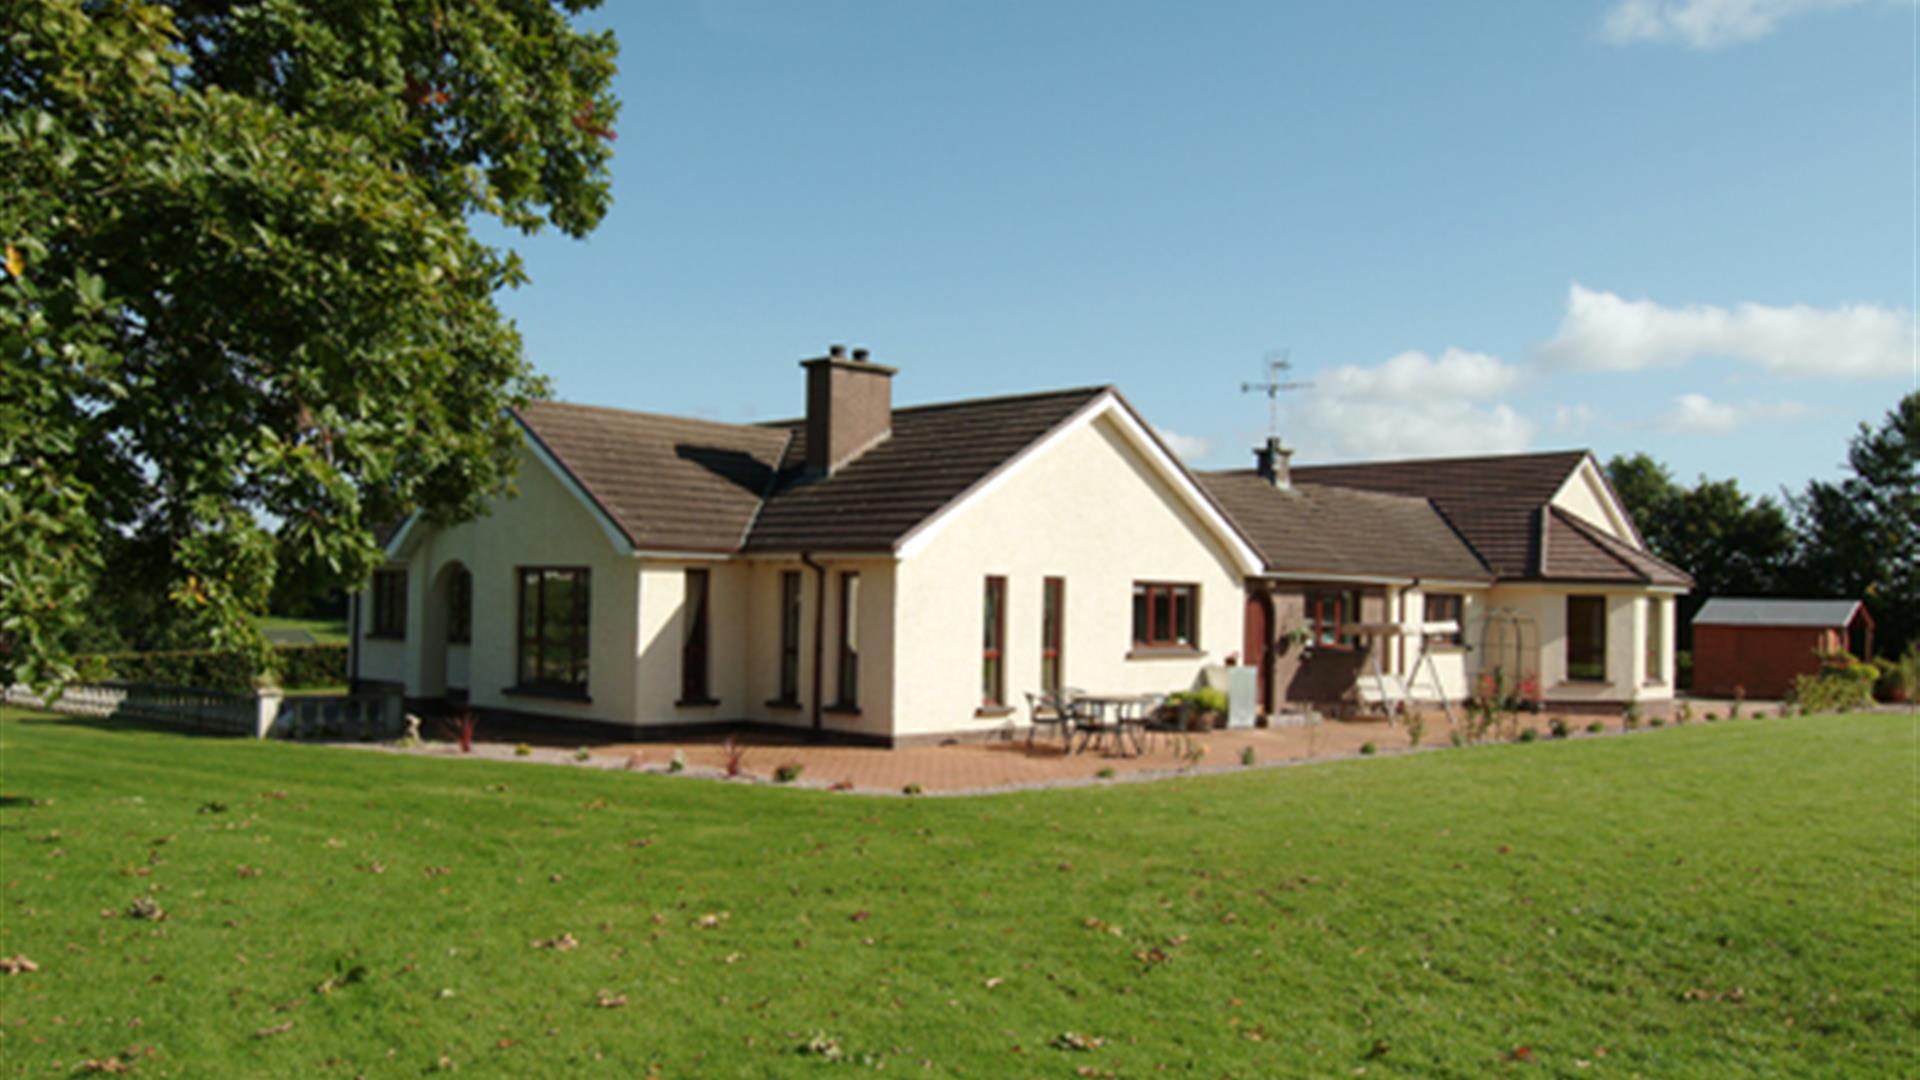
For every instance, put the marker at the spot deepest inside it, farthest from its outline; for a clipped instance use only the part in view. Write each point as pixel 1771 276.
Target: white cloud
pixel 1700 414
pixel 1574 419
pixel 1411 405
pixel 1704 24
pixel 1602 331
pixel 1185 447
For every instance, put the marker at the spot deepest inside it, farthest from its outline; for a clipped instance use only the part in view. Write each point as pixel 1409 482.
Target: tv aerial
pixel 1276 366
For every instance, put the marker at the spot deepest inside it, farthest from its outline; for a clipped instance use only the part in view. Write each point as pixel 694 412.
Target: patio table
pixel 1129 717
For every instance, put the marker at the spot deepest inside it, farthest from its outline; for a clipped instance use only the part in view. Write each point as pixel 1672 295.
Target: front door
pixel 1258 649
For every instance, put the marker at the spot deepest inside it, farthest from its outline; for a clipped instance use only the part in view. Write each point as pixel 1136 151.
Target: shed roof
pixel 1726 611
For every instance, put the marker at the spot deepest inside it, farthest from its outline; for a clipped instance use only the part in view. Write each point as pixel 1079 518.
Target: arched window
pixel 460 607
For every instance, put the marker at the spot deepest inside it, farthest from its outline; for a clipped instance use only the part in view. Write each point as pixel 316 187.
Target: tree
pixel 240 287
pixel 1860 537
pixel 1732 544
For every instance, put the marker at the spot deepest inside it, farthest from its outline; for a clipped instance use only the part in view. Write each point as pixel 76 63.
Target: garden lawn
pixel 1727 899
pixel 324 631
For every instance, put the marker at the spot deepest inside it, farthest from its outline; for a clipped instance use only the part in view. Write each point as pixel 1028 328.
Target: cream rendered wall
pixel 656 673
pixel 1453 663
pixel 544 524
pixel 1585 496
pixel 1086 508
pixel 1626 643
pixel 761 661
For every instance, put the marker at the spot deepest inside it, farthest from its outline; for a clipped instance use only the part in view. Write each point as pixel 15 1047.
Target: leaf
pixel 17 964
pixel 16 265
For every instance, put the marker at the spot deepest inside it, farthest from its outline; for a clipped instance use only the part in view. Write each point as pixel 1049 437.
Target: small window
pixel 993 646
pixel 789 636
pixel 1447 607
pixel 554 606
pixel 694 688
pixel 848 668
pixel 389 604
pixel 460 607
pixel 1333 615
pixel 1166 616
pixel 1053 632
pixel 1587 638
pixel 1656 641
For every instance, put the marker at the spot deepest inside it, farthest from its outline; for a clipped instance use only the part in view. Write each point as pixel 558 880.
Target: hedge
pixel 295 666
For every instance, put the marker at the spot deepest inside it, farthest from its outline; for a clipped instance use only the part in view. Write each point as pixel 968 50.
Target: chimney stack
pixel 1274 463
pixel 849 407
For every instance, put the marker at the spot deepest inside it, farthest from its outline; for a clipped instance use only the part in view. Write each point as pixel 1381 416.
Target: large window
pixel 460 607
pixel 1587 638
pixel 993 644
pixel 1447 607
pixel 554 604
pixel 389 604
pixel 1332 615
pixel 1053 632
pixel 848 667
pixel 1166 616
pixel 1656 641
pixel 789 637
pixel 694 689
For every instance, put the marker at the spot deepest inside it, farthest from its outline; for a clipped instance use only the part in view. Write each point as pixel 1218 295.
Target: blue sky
pixel 1682 226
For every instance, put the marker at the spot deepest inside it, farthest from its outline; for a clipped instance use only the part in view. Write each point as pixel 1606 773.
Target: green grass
pixel 324 631
pixel 1708 901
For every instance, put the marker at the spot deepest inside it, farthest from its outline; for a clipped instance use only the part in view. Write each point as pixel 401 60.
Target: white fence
pixel 263 714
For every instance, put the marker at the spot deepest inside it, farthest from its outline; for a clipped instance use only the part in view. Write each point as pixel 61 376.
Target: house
pixel 1758 647
pixel 906 575
pixel 1532 558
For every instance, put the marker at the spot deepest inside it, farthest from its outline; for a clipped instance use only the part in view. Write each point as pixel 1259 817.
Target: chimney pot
pixel 859 356
pixel 836 351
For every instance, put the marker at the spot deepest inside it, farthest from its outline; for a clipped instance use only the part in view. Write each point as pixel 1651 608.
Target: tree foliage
pixel 240 286
pixel 1857 538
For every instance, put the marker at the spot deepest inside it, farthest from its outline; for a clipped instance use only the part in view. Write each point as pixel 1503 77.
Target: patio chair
pixel 1045 710
pixel 1089 719
pixel 1162 720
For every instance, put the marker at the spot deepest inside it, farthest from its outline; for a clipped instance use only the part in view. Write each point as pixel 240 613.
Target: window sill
pixel 992 712
pixel 552 693
pixel 384 637
pixel 1163 652
pixel 842 709
pixel 1572 681
pixel 696 703
pixel 784 704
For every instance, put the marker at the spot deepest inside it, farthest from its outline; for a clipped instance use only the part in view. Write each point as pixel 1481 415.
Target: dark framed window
pixel 1447 607
pixel 460 607
pixel 1656 641
pixel 389 605
pixel 1333 615
pixel 1587 638
pixel 1053 632
pixel 555 602
pixel 847 667
pixel 1166 615
pixel 693 638
pixel 993 644
pixel 789 636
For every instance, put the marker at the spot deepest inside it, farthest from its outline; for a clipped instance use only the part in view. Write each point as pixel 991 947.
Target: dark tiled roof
pixel 1495 502
pixel 935 454
pixel 1314 528
pixel 668 482
pixel 1578 551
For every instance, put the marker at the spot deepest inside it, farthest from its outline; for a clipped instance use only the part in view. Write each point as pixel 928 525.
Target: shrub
pixel 912 789
pixel 1106 773
pixel 294 666
pixel 677 763
pixel 461 727
pixel 1684 715
pixel 1557 727
pixel 1712 718
pixel 787 773
pixel 1416 730
pixel 1200 706
pixel 1658 721
pixel 1528 735
pixel 736 757
pixel 1369 748
pixel 583 755
pixel 1630 715
pixel 1596 728
pixel 300 666
pixel 1833 690
pixel 1739 699
pixel 522 750
pixel 1247 756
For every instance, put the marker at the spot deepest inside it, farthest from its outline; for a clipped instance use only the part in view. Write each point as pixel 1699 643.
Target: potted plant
pixel 1201 709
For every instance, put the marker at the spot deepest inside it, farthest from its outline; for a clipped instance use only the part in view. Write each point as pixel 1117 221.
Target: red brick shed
pixel 1760 645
